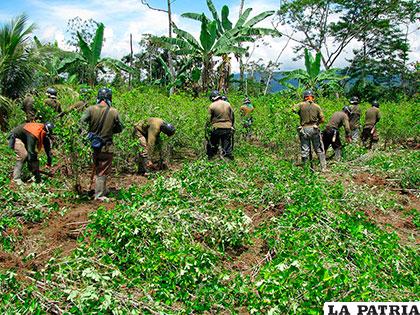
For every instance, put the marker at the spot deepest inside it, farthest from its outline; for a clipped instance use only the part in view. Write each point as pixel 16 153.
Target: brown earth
pixel 247 260
pixel 57 236
pixel 392 221
pixel 369 179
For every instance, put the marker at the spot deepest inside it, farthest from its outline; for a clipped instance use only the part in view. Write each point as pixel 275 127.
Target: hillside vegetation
pixel 258 234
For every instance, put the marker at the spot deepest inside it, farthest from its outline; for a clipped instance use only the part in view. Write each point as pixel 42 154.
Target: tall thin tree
pixel 168 11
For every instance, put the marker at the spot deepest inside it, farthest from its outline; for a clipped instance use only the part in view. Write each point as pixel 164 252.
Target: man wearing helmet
pixel 246 112
pixel 52 101
pixel 331 135
pixel 28 107
pixel 104 121
pixel 222 121
pixel 148 132
pixel 27 140
pixel 354 118
pixel 311 116
pixel 372 117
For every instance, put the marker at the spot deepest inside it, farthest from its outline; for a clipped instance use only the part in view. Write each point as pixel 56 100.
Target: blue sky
pixel 122 17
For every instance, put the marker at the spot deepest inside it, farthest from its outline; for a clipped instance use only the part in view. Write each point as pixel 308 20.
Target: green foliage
pixel 217 37
pixel 16 58
pixel 173 245
pixel 313 78
pixel 88 59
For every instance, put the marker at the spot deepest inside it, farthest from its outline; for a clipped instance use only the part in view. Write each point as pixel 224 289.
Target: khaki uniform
pixel 311 116
pixel 28 108
pixel 148 132
pixel 372 117
pixel 354 121
pixel 331 135
pixel 222 120
pixel 54 104
pixel 78 106
pixel 103 157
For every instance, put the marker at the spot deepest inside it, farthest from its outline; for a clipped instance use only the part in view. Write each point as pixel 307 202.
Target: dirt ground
pixel 248 259
pixel 57 236
pixel 399 222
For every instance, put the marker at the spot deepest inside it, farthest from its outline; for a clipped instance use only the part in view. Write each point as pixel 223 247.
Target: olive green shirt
pixel 373 115
pixel 94 116
pixel 221 115
pixel 338 120
pixel 150 129
pixel 355 117
pixel 28 108
pixel 54 104
pixel 310 113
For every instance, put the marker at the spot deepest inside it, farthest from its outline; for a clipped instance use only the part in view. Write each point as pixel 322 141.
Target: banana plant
pixel 243 30
pixel 206 47
pixel 312 77
pixel 186 73
pixel 87 62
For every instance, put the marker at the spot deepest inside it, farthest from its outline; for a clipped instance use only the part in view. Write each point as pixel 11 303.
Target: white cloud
pixel 125 17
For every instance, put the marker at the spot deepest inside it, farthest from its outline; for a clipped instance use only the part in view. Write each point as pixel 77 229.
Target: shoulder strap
pixel 101 125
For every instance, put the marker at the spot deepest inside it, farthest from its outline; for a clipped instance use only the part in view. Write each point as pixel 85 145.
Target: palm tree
pixel 16 57
pixel 312 77
pixel 87 62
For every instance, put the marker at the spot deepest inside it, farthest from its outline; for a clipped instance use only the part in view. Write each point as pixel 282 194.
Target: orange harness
pixel 37 130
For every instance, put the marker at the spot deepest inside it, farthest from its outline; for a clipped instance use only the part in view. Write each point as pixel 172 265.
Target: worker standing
pixel 311 117
pixel 104 121
pixel 373 115
pixel 354 118
pixel 28 107
pixel 247 119
pixel 221 121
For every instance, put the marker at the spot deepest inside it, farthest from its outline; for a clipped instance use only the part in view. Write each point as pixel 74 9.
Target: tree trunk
pixel 224 74
pixel 131 60
pixel 170 60
pixel 205 74
pixel 241 62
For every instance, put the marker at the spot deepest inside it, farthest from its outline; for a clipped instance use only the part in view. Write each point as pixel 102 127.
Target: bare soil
pixel 248 259
pixel 57 236
pixel 391 221
pixel 369 179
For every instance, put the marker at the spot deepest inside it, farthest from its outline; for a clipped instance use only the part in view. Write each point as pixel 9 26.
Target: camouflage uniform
pixel 54 104
pixel 311 116
pixel 222 120
pixel 373 115
pixel 331 135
